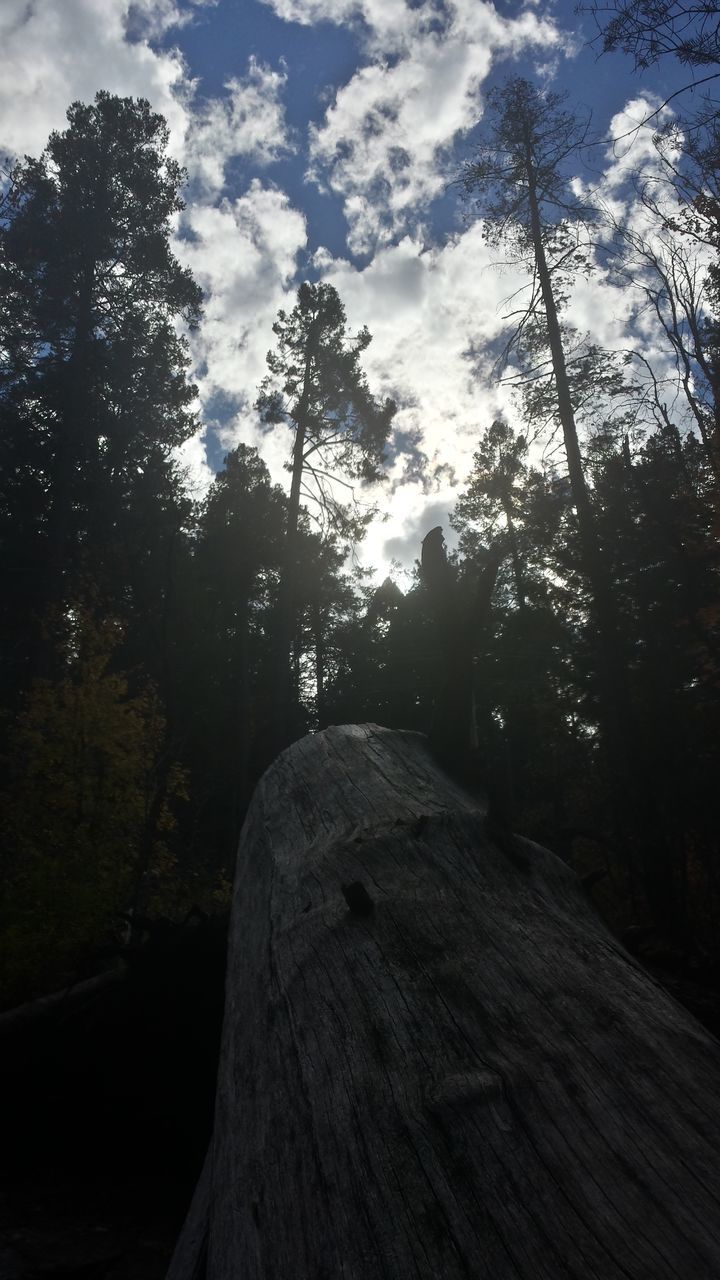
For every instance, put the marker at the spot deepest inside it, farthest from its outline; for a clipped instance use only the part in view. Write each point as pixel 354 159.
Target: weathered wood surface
pixel 475 1080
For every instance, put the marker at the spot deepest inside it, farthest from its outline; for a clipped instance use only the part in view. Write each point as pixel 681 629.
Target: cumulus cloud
pixel 58 51
pixel 632 148
pixel 151 19
pixel 397 539
pixel 192 458
pixel 307 12
pixel 243 253
pixel 385 143
pixel 242 250
pixel 660 274
pixel 437 313
pixel 249 122
pixel 421 303
pixel 381 148
pixel 436 309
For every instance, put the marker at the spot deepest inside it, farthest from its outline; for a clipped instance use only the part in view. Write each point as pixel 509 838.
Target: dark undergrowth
pixel 107 1111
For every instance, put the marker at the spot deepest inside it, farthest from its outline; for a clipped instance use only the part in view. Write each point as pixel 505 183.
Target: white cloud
pixel 308 12
pixel 411 516
pixel 151 19
pixel 58 51
pixel 193 461
pixel 249 122
pixel 381 147
pixel 632 149
pixel 421 305
pixel 384 145
pixel 430 309
pixel 243 253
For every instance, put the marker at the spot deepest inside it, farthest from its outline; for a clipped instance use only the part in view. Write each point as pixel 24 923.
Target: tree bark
pixel 514 553
pixel 284 688
pixel 457 1072
pixel 581 497
pixel 318 621
pixel 620 731
pixel 595 569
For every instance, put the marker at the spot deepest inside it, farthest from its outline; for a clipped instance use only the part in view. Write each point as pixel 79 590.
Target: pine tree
pixel 93 389
pixel 499 468
pixel 231 597
pixel 520 181
pixel 316 386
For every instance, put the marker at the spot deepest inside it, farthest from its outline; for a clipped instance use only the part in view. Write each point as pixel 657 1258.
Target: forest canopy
pixel 157 650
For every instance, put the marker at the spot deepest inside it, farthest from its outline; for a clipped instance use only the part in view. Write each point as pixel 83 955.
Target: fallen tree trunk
pixel 436 1061
pixel 60 1004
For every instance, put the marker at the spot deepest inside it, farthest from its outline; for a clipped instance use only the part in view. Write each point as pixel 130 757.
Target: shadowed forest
pixel 156 651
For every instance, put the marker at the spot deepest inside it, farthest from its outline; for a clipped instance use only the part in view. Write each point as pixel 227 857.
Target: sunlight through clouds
pixel 243 253
pixel 366 153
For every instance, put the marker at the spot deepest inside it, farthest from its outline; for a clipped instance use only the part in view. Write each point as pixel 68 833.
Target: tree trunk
pixel 284 693
pixel 436 1061
pixel 619 729
pixel 318 627
pixel 566 413
pixel 242 781
pixel 514 554
pixel 614 691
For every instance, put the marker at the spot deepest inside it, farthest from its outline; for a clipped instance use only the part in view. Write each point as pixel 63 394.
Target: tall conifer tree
pixel 93 388
pixel 317 386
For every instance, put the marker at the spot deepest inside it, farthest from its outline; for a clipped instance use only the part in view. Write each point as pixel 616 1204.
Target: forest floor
pixel 60 1225
pixel 109 1111
pixel 106 1116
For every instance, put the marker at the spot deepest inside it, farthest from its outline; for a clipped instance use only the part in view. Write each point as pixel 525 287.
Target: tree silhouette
pixel 93 389
pixel 316 385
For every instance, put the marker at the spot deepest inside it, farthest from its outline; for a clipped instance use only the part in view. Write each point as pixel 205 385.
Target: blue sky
pixel 320 137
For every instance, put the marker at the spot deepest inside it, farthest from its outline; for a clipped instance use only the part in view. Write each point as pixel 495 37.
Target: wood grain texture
pixel 473 1079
